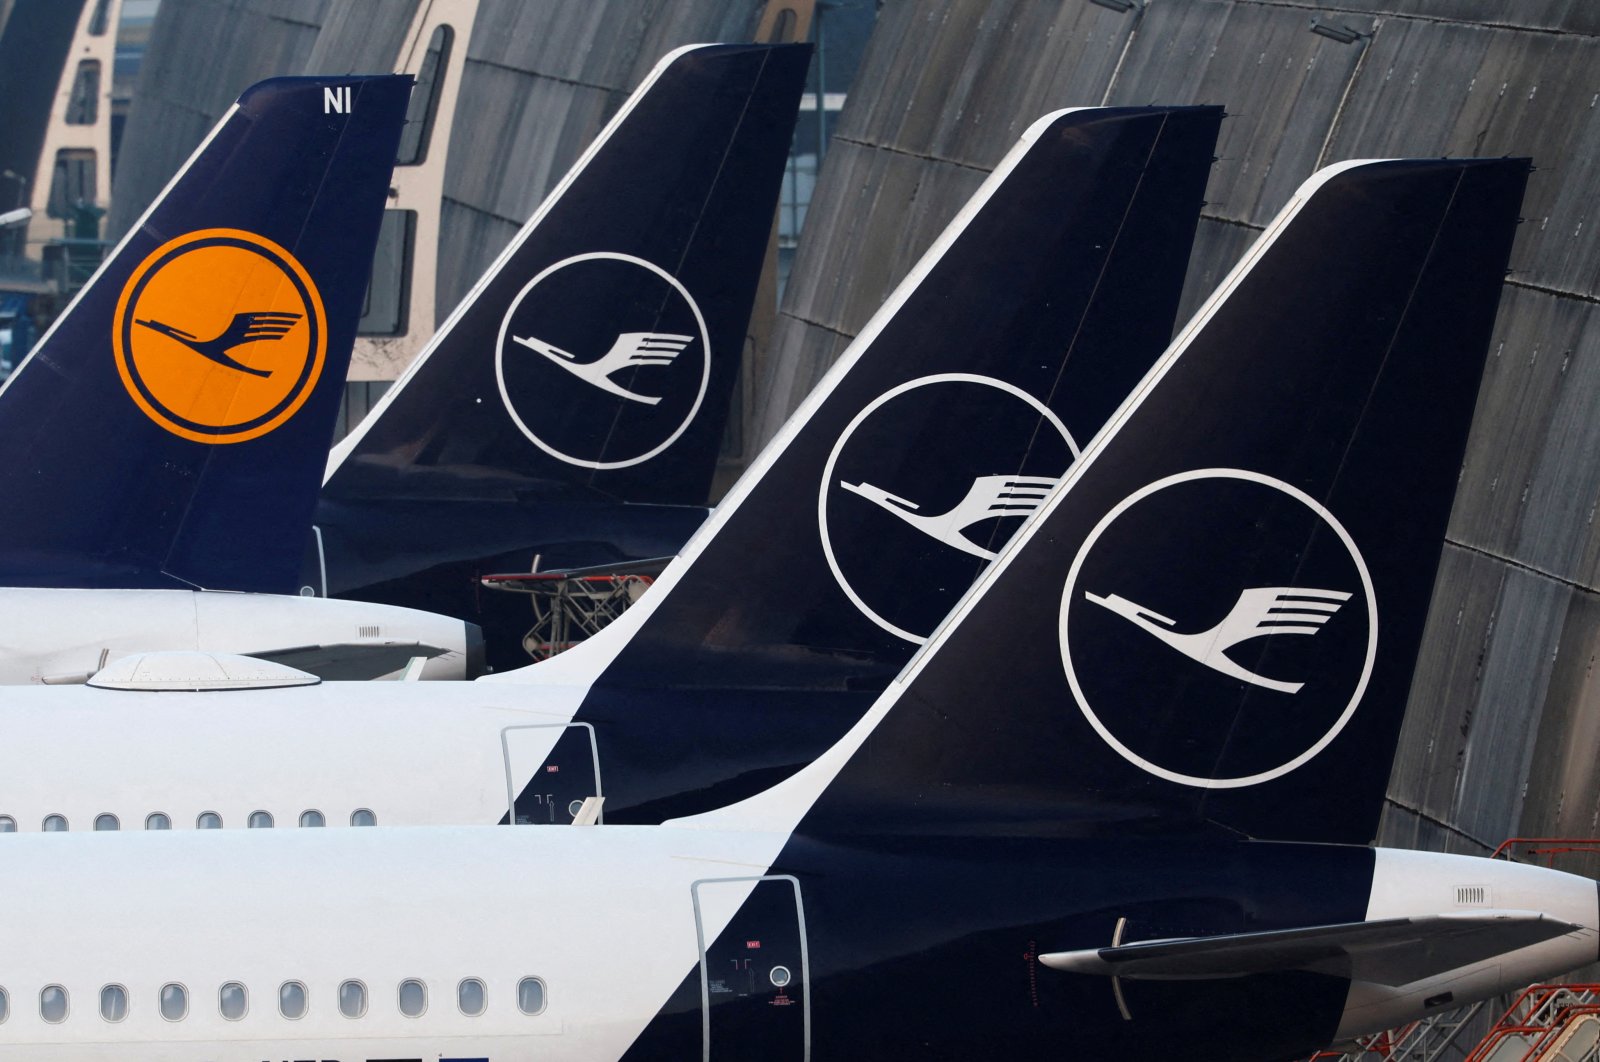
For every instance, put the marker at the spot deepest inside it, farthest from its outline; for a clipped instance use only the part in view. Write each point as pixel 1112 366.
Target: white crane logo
pixel 965 426
pixel 564 316
pixel 1221 531
pixel 1259 612
pixel 987 498
pixel 631 350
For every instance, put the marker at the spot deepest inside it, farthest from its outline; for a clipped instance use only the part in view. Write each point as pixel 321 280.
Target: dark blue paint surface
pixel 100 495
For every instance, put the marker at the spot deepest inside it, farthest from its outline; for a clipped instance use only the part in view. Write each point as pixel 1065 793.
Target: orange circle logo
pixel 220 336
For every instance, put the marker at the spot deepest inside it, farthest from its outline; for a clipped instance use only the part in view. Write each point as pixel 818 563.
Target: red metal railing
pixel 1538 1017
pixel 1549 847
pixel 1540 1014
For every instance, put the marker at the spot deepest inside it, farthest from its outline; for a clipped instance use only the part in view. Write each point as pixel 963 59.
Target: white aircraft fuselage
pixel 63 636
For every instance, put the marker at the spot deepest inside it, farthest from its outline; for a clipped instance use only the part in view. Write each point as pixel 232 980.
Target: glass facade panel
pixel 83 106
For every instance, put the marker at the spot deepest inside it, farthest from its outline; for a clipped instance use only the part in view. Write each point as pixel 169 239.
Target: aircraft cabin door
pixel 754 977
pixel 551 769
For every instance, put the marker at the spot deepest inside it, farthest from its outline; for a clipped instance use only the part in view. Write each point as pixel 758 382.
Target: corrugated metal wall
pixel 540 81
pixel 202 54
pixel 1501 736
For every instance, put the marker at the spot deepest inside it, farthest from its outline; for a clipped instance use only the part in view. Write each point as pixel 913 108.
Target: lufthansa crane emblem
pixel 220 336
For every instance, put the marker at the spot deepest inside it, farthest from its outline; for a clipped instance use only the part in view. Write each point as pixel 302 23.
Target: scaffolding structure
pixel 569 608
pixel 1545 1023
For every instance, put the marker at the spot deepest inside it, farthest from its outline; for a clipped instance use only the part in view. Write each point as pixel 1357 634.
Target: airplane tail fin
pixel 599 350
pixel 963 399
pixel 169 428
pixel 1278 489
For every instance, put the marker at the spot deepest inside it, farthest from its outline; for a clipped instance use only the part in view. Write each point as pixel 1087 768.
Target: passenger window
pixel 413 997
pixel 530 995
pixel 208 820
pixel 469 997
pixel 157 821
pixel 113 1002
pixel 292 999
pixel 352 999
pixel 54 824
pixel 174 1002
pixel 312 818
pixel 8 824
pixel 53 1004
pixel 106 822
pixel 5 1006
pixel 363 817
pixel 261 820
pixel 232 1000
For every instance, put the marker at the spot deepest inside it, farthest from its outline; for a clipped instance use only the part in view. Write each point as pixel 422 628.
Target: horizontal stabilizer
pixel 1394 951
pixel 351 662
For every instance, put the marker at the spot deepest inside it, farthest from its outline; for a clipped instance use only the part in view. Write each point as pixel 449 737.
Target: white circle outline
pixel 1372 627
pixel 844 437
pixel 500 348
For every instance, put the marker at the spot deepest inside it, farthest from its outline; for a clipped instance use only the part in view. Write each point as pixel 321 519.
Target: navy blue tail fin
pixel 600 349
pixel 170 428
pixel 1214 624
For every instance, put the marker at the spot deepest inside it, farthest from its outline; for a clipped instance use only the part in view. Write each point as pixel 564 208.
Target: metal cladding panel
pixel 944 90
pixel 1475 707
pixel 1427 88
pixel 1282 87
pixel 1531 480
pixel 1218 245
pixel 797 359
pixel 898 204
pixel 968 78
pixel 353 40
pixel 469 239
pixel 585 43
pixel 542 125
pixel 1573 16
pixel 1563 795
pixel 540 81
pixel 202 56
